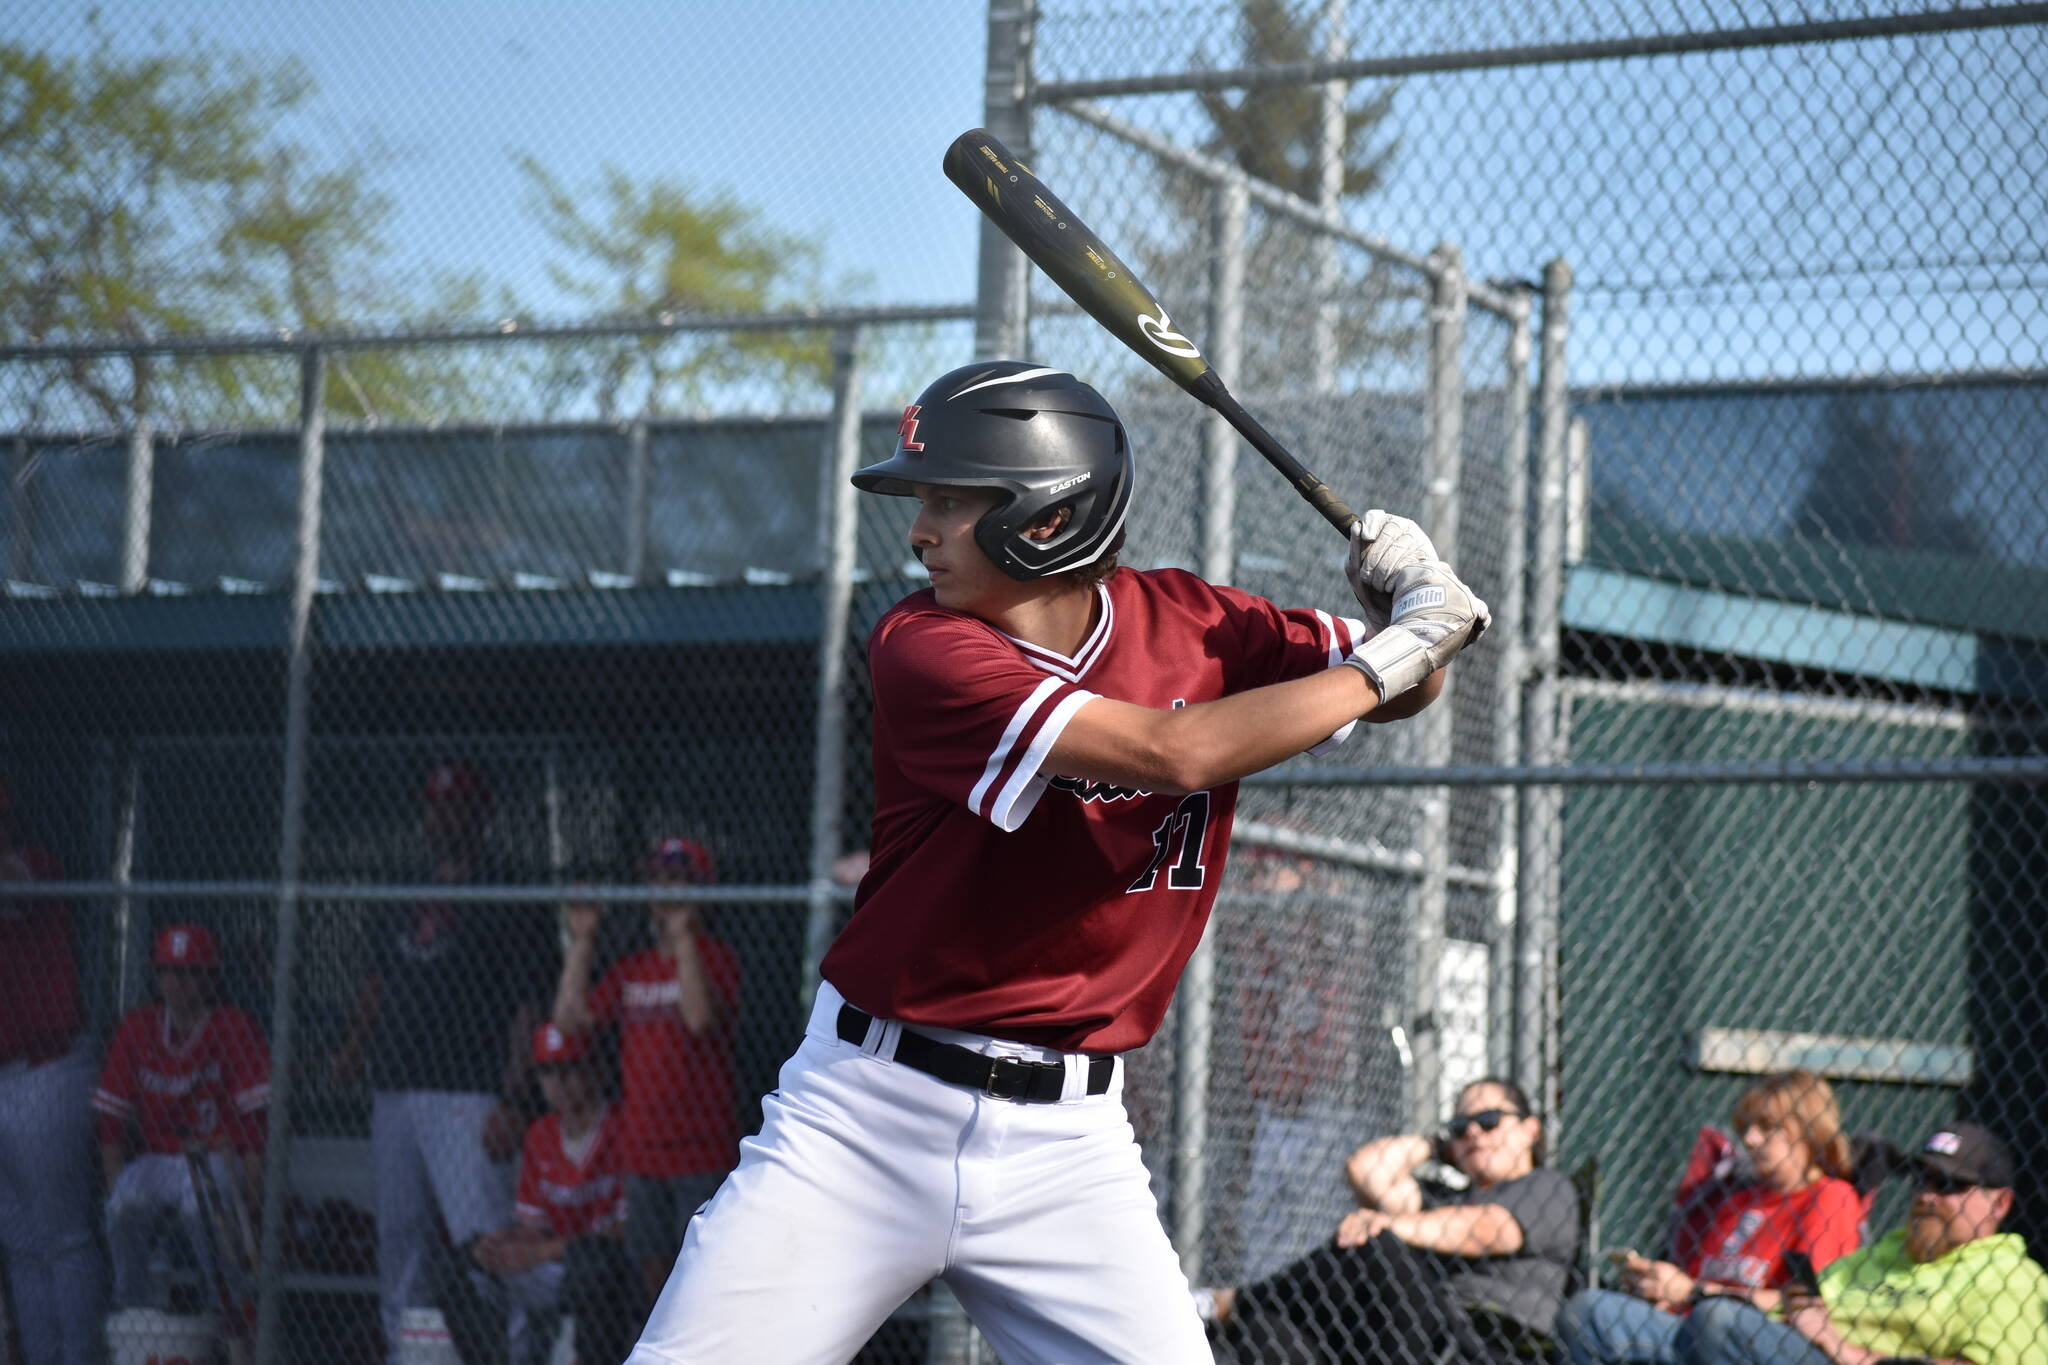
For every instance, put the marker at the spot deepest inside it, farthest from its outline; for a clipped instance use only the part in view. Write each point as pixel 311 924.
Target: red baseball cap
pixel 186 945
pixel 552 1047
pixel 458 782
pixel 685 857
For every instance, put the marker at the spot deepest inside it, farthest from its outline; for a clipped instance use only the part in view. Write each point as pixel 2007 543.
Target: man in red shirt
pixel 184 1070
pixel 561 1253
pixel 673 1004
pixel 1057 744
pixel 57 1289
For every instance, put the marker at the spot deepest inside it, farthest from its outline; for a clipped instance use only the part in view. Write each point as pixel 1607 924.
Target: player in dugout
pixel 673 1004
pixel 184 1070
pixel 48 1064
pixel 1057 743
pixel 562 1252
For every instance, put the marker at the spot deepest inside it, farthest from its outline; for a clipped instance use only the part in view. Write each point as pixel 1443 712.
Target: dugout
pixel 598 720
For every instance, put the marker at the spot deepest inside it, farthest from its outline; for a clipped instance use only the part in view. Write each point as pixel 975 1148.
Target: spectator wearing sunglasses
pixel 1946 1287
pixel 1421 1271
pixel 1732 1236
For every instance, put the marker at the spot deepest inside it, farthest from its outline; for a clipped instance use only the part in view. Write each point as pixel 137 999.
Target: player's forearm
pixel 1196 747
pixel 693 993
pixel 1382 1173
pixel 1411 702
pixel 1470 1230
pixel 572 991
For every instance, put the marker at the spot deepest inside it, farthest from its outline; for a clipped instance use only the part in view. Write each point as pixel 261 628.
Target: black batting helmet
pixel 1037 435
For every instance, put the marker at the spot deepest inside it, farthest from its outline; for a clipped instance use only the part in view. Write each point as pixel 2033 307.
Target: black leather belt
pixel 1001 1078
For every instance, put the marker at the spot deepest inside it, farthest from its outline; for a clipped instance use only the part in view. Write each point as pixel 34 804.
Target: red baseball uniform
pixel 1001 900
pixel 213 1084
pixel 565 1196
pixel 1742 1237
pixel 38 978
pixel 676 1085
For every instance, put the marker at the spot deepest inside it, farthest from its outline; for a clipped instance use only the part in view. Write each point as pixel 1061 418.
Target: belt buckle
pixel 1018 1083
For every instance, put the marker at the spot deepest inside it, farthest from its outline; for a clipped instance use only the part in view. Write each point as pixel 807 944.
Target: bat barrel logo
pixel 1159 331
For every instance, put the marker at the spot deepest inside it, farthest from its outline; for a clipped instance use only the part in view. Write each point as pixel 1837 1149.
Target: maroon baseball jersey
pixel 1004 900
pixel 562 1195
pixel 212 1084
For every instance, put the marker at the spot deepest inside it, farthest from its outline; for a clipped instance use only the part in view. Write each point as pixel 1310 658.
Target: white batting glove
pixel 1434 615
pixel 1382 545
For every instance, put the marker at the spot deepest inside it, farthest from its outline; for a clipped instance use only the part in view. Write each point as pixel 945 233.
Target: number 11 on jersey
pixel 1183 834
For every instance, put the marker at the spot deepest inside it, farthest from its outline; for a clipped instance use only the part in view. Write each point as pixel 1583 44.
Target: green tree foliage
pixel 656 248
pixel 152 194
pixel 1880 485
pixel 1275 134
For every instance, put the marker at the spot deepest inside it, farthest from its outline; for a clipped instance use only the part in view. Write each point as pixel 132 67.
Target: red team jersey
pixel 38 978
pixel 564 1197
pixel 212 1085
pixel 676 1086
pixel 1742 1237
pixel 1002 900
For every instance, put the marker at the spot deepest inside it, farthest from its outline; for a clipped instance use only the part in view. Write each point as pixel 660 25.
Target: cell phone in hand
pixel 1799 1274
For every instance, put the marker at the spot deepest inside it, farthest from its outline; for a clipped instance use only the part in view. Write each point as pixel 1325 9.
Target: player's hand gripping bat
pixel 1063 247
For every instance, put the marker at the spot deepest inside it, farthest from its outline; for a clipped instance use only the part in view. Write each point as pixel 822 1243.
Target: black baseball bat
pixel 1063 247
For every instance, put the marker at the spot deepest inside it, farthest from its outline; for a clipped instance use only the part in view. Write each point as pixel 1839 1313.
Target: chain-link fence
pixel 517 618
pixel 398 710
pixel 1775 701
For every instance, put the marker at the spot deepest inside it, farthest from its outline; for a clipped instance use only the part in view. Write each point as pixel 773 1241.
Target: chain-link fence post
pixel 639 474
pixel 1002 294
pixel 1510 640
pixel 1537 900
pixel 1446 406
pixel 1194 1010
pixel 839 515
pixel 291 847
pixel 1330 127
pixel 140 484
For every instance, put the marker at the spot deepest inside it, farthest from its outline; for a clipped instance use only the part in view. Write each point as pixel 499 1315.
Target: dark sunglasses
pixel 1486 1120
pixel 1937 1182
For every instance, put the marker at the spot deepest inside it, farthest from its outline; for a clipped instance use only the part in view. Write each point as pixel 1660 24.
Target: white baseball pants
pixel 427 1149
pixel 47 1177
pixel 869 1179
pixel 147 1185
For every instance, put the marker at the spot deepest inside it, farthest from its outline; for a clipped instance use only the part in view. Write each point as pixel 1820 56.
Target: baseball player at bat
pixel 185 1070
pixel 1057 745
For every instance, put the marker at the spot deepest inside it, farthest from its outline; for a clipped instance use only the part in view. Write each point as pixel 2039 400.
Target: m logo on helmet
pixel 181 943
pixel 1159 331
pixel 906 430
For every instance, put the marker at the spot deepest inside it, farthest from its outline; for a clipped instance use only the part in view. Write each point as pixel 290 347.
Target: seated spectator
pixel 186 1072
pixel 1731 1236
pixel 1421 1272
pixel 673 1004
pixel 562 1253
pixel 1946 1287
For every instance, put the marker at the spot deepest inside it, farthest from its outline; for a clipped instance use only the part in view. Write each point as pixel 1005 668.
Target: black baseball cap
pixel 1968 1152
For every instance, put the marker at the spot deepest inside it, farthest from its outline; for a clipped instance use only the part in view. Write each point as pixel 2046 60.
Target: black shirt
pixel 1528 1285
pixel 451 979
